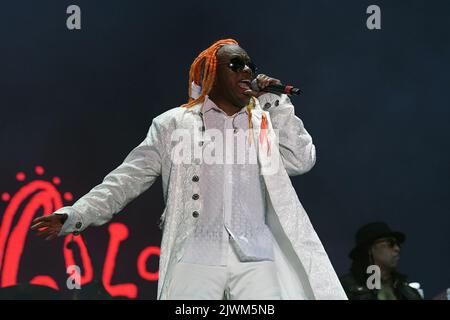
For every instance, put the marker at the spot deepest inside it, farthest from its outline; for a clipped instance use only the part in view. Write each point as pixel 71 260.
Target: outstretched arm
pixel 135 175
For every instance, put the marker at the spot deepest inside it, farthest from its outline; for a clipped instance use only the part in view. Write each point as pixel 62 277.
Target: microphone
pixel 276 88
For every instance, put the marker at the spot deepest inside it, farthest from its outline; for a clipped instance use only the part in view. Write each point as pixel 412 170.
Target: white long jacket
pixel 304 270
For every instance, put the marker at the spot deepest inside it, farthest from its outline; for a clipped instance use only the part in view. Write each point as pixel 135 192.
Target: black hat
pixel 368 233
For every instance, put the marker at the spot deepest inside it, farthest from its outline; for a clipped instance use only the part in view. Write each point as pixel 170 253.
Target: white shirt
pixel 233 201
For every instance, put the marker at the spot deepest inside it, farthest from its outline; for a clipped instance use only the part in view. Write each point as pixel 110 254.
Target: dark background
pixel 375 102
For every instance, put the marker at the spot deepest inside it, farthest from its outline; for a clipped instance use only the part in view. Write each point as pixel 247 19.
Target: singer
pixel 230 230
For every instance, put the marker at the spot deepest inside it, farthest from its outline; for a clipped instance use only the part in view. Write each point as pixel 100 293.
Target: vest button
pixel 195 196
pixel 195 178
pixel 195 214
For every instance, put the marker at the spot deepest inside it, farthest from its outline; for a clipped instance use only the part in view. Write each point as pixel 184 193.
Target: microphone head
pixel 254 86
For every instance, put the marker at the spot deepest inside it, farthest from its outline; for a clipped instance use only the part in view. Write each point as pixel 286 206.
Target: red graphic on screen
pixel 118 233
pixel 40 195
pixel 142 262
pixel 32 197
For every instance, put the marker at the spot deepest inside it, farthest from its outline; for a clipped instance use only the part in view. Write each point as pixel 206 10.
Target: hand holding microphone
pixel 264 83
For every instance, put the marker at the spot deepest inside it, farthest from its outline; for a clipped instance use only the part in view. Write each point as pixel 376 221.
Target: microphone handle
pixel 281 88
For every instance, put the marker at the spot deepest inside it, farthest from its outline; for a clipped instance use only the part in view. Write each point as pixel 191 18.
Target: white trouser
pixel 235 281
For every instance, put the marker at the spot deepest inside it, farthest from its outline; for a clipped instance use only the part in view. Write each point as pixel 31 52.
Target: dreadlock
pixel 203 71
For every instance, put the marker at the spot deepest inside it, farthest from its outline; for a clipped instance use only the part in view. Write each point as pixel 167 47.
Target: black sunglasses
pixel 238 64
pixel 391 242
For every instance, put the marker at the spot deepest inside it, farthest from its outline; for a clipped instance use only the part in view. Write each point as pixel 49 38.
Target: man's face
pixel 229 85
pixel 386 253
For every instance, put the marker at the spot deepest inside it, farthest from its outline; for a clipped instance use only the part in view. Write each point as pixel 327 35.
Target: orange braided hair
pixel 206 62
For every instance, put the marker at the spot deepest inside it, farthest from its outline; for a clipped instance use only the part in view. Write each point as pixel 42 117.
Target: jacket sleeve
pixel 298 152
pixel 135 175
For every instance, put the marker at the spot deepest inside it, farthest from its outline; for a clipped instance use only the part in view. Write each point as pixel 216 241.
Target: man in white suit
pixel 232 228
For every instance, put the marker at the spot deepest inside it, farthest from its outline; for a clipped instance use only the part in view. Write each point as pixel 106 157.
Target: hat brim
pixel 360 247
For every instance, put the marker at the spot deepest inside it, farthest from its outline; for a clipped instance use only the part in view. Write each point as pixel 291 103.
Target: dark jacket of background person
pixel 357 289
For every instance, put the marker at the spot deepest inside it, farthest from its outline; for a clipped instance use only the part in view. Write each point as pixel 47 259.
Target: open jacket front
pixel 303 267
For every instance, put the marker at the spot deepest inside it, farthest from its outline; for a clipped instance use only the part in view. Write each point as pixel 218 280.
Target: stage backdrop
pixel 74 103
